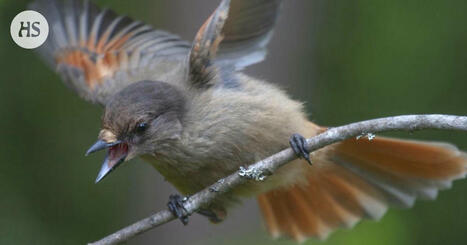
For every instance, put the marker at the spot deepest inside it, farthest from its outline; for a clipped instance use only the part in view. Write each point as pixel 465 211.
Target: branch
pixel 265 167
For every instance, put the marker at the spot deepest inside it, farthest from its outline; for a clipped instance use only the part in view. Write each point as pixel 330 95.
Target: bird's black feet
pixel 177 208
pixel 297 142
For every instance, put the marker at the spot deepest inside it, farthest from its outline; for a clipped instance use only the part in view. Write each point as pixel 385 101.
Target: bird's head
pixel 137 121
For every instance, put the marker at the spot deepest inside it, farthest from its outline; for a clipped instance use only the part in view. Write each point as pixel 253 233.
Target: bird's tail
pixel 360 178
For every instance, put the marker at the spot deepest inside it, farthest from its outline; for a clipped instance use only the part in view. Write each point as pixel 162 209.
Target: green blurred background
pixel 348 60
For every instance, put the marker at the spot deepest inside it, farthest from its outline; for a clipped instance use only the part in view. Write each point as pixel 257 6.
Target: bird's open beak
pixel 116 154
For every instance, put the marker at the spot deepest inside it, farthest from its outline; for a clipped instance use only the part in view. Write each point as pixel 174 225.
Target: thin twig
pixel 269 165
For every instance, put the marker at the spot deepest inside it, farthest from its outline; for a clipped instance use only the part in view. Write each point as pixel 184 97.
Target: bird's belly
pixel 179 180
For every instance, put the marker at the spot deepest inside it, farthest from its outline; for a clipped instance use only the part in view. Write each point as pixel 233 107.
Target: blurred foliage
pixel 369 59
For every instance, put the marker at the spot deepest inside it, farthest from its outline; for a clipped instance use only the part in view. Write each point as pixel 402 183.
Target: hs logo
pixel 29 29
pixel 27 26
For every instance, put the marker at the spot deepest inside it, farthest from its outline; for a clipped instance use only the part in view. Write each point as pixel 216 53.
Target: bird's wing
pixel 235 35
pixel 97 52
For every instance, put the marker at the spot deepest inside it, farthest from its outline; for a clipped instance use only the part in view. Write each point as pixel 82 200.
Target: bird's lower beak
pixel 116 154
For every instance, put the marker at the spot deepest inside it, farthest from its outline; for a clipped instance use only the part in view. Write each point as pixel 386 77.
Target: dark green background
pixel 348 60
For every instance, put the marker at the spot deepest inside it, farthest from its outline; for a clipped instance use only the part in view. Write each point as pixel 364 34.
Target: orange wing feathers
pixel 98 52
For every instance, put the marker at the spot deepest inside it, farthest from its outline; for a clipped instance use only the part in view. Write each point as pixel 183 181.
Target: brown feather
pixel 268 213
pixel 358 179
pixel 403 157
pixel 308 222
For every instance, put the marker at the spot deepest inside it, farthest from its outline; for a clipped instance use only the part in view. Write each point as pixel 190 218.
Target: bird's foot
pixel 176 206
pixel 297 142
pixel 215 216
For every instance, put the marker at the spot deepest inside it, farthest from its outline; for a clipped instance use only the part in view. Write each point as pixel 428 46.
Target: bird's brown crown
pixel 140 102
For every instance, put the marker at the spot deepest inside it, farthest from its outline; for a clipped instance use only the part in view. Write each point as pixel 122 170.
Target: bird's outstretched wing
pixel 235 35
pixel 98 52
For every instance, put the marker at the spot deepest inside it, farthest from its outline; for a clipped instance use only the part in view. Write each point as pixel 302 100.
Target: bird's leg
pixel 212 215
pixel 297 142
pixel 176 206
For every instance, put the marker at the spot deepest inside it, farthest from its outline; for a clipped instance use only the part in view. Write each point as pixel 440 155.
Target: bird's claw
pixel 176 206
pixel 211 215
pixel 297 142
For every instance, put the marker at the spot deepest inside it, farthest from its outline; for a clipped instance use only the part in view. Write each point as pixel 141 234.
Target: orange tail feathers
pixel 358 179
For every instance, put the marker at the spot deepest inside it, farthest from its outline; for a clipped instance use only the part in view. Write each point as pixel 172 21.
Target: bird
pixel 190 111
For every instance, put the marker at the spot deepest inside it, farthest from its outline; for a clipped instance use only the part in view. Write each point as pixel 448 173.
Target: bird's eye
pixel 141 127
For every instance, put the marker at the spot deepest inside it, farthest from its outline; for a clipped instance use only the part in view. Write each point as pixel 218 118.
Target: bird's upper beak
pixel 116 154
